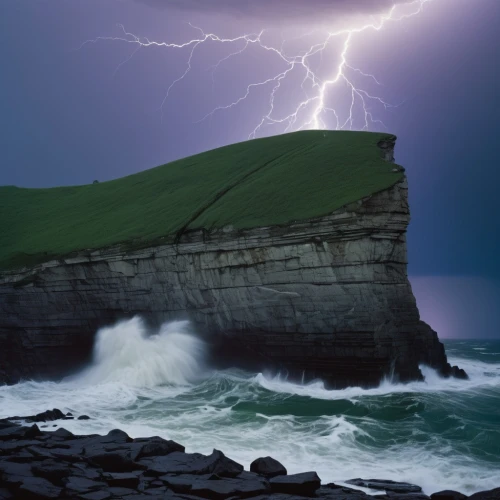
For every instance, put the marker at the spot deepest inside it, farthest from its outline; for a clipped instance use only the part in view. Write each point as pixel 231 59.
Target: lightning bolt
pixel 319 101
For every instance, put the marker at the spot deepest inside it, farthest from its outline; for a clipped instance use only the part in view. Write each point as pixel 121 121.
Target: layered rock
pixel 327 298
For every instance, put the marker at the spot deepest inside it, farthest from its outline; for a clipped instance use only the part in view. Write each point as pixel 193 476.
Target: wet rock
pixel 123 479
pixel 4 423
pixel 116 436
pixel 385 484
pixel 192 463
pixel 223 466
pixel 155 492
pixel 182 483
pixel 486 495
pixel 83 470
pixel 17 432
pixel 22 456
pixel 77 484
pixel 51 470
pixel 7 447
pixel 156 447
pixel 268 466
pixel 333 491
pixel 448 495
pixel 41 453
pixel 63 433
pixel 46 416
pixel 83 417
pixel 38 488
pixel 114 461
pixel 215 487
pixel 120 492
pixel 304 484
pixel 454 371
pixel 218 488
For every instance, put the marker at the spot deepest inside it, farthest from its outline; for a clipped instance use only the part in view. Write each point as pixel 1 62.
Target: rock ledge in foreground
pixel 36 464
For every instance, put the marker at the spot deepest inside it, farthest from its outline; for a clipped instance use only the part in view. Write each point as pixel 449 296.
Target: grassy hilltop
pixel 262 182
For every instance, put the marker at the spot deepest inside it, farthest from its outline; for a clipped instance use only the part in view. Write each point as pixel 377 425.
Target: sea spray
pixel 128 353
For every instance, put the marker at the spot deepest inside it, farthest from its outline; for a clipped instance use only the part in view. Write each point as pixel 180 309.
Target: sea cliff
pixel 322 297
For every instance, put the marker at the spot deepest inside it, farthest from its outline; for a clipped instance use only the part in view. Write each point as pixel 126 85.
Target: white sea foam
pixel 481 375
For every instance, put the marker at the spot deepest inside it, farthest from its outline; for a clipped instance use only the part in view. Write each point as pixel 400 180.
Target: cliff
pixel 318 296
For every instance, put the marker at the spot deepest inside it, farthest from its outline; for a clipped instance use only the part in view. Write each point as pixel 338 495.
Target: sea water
pixel 440 434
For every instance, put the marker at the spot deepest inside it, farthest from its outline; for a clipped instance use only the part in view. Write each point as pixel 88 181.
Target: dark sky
pixel 70 115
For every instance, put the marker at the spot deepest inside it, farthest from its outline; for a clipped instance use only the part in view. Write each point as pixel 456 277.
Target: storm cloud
pixel 280 10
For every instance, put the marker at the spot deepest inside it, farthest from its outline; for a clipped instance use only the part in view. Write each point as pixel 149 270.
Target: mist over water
pixel 440 434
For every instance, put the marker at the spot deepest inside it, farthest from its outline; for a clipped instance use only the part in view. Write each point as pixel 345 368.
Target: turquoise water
pixel 438 433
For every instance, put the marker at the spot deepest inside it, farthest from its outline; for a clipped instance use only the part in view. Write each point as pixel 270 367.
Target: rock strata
pixel 35 464
pixel 268 466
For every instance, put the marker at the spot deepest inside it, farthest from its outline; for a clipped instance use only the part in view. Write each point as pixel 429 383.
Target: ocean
pixel 439 434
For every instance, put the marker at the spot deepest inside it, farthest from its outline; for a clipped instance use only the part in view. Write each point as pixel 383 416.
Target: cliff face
pixel 325 298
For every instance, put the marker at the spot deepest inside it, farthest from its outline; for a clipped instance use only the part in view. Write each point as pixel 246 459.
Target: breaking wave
pixel 129 354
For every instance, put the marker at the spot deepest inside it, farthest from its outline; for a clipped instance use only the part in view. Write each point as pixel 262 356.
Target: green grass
pixel 255 183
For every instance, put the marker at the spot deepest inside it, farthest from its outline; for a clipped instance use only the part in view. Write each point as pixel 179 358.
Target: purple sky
pixel 71 115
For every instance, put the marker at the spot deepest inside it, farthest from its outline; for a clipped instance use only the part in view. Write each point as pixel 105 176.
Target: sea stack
pixel 286 253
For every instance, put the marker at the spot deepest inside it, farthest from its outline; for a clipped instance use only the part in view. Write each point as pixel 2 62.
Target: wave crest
pixel 128 353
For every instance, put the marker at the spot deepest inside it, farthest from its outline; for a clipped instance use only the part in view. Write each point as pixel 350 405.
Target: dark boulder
pixel 156 447
pixel 116 436
pixel 456 372
pixel 83 417
pixel 268 466
pixel 448 495
pixel 46 416
pixel 63 434
pixel 304 484
pixel 223 466
pixel 486 495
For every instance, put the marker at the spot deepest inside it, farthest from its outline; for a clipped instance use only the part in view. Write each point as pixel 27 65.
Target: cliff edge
pixel 286 253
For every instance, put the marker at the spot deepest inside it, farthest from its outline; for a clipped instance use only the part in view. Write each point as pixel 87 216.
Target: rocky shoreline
pixel 36 463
